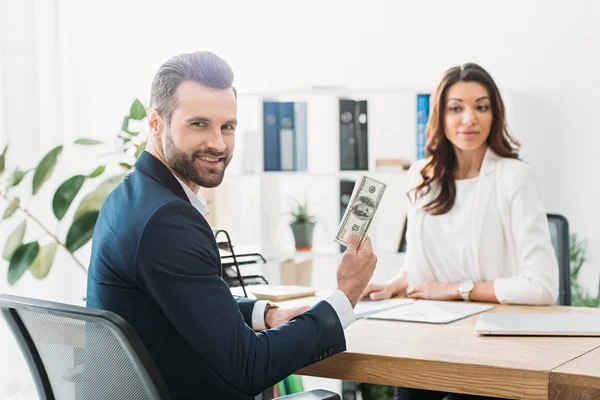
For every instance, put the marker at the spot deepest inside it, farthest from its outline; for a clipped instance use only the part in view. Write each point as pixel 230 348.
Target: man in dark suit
pixel 155 261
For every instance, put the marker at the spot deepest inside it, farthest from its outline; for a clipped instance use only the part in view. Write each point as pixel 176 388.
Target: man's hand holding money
pixel 357 267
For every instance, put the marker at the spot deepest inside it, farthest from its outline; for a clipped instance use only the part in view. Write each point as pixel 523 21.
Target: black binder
pixel 347 136
pixel 354 142
pixel 346 188
pixel 362 138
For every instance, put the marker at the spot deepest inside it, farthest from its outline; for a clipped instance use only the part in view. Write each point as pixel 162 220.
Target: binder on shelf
pixel 271 139
pixel 287 136
pixel 346 188
pixel 362 135
pixel 301 125
pixel 347 136
pixel 422 118
pixel 354 141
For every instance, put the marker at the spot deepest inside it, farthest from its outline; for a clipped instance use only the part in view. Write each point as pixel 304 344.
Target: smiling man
pixel 155 261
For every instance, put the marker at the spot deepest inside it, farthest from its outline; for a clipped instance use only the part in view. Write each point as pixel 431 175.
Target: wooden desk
pixel 577 379
pixel 454 358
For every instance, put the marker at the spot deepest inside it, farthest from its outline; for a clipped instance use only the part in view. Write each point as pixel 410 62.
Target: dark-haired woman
pixel 477 229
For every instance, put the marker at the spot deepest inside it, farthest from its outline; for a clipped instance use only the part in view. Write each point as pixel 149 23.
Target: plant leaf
pixel 45 168
pixel 3 159
pixel 97 172
pixel 125 165
pixel 137 111
pixel 88 142
pixel 42 263
pixel 81 231
pixel 125 124
pixel 18 176
pixel 12 207
pixel 93 201
pixel 14 240
pixel 65 194
pixel 139 149
pixel 21 260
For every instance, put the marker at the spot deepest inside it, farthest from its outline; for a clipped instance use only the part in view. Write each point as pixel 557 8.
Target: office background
pixel 70 69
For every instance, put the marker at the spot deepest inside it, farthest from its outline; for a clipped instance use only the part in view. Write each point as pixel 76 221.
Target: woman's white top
pixel 497 231
pixel 447 237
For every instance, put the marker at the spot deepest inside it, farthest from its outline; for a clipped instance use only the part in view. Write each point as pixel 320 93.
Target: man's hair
pixel 203 67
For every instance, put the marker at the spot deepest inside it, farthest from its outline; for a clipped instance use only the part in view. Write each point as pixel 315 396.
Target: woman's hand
pixel 395 287
pixel 432 290
pixel 375 291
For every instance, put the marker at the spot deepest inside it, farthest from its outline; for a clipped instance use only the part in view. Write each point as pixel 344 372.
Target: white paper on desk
pixel 368 307
pixel 434 312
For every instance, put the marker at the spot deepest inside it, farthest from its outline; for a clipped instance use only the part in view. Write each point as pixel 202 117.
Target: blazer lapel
pixel 424 269
pixel 151 166
pixel 483 194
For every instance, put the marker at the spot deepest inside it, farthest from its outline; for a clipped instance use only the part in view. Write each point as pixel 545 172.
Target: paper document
pixel 280 292
pixel 368 307
pixel 434 312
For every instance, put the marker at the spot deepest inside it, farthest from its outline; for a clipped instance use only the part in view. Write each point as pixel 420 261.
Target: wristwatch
pixel 268 306
pixel 464 289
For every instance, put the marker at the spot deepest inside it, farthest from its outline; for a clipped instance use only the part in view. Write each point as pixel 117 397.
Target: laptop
pixel 534 324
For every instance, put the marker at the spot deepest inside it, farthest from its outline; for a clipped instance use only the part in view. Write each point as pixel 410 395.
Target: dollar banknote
pixel 361 209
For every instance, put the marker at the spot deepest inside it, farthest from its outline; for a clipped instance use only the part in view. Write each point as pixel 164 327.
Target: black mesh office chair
pixel 559 233
pixel 83 353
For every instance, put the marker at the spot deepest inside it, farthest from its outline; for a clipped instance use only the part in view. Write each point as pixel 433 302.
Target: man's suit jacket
pixel 155 262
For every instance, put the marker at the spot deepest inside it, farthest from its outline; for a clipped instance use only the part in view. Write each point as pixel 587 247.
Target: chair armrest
pixel 312 395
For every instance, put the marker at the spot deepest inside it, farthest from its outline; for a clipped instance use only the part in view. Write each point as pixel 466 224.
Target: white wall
pixel 543 55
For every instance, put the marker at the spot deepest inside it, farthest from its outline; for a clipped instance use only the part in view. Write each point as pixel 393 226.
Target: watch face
pixel 466 286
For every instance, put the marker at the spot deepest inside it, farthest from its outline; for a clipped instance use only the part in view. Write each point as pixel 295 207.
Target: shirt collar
pixel 197 200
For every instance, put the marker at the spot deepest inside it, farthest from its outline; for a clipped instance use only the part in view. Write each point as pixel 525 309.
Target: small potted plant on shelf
pixel 302 224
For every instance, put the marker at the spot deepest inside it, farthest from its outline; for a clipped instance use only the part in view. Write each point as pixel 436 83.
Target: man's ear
pixel 156 123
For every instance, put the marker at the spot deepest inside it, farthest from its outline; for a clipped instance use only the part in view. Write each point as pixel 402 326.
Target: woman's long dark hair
pixel 441 157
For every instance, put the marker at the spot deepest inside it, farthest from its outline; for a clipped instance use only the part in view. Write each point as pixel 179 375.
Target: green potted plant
pixel 302 224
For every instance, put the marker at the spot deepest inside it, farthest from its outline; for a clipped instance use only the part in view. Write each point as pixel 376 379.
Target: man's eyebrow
pixel 231 121
pixel 197 119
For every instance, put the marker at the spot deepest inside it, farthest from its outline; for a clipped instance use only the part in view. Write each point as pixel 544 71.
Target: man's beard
pixel 185 166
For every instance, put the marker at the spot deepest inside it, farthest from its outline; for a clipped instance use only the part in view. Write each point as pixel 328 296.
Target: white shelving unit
pixel 253 205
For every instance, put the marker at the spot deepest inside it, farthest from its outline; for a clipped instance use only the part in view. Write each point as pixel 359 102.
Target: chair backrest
pixel 402 242
pixel 81 353
pixel 559 233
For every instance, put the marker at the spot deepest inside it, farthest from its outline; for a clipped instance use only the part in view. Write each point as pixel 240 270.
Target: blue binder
pixel 422 117
pixel 271 141
pixel 287 136
pixel 300 121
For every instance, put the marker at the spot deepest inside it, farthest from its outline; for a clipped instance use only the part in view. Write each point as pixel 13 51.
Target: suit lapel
pixel 152 167
pixel 424 268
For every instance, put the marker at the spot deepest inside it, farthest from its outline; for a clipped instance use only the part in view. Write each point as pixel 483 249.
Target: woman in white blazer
pixel 477 229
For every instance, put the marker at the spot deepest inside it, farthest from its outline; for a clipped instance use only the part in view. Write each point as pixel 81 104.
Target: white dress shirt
pixel 446 237
pixel 337 299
